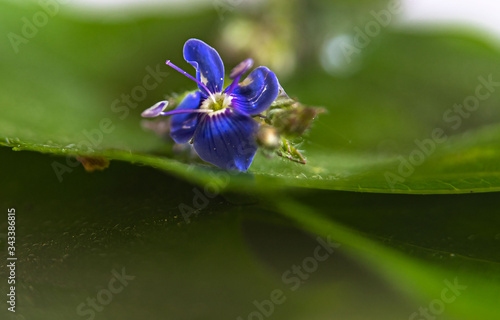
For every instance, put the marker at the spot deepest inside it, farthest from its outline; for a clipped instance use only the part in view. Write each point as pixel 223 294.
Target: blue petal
pixel 208 65
pixel 226 139
pixel 256 93
pixel 184 125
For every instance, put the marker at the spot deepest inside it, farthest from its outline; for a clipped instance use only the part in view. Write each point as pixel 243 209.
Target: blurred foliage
pixel 74 90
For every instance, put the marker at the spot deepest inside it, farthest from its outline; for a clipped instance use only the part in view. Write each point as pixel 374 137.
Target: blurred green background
pixel 402 170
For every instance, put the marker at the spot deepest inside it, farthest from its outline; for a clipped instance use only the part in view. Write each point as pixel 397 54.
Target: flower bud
pixel 268 137
pixel 293 122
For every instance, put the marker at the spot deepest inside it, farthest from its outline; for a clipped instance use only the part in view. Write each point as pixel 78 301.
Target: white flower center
pixel 220 101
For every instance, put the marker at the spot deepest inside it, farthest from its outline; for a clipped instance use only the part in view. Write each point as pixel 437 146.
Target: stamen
pixel 155 110
pixel 241 68
pixel 233 85
pixel 180 111
pixel 237 72
pixel 170 64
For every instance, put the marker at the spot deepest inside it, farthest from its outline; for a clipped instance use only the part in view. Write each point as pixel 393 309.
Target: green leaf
pixel 225 254
pixel 75 89
pixel 209 263
pixel 424 247
pixel 391 127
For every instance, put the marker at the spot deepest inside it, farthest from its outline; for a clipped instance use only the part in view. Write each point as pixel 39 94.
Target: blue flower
pixel 219 121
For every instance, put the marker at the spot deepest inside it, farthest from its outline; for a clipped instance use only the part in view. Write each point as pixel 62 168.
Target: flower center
pixel 220 101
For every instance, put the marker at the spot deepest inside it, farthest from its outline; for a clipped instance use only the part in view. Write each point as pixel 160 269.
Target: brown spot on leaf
pixel 93 163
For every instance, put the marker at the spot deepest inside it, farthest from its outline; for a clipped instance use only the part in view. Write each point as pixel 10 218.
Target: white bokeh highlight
pixel 479 14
